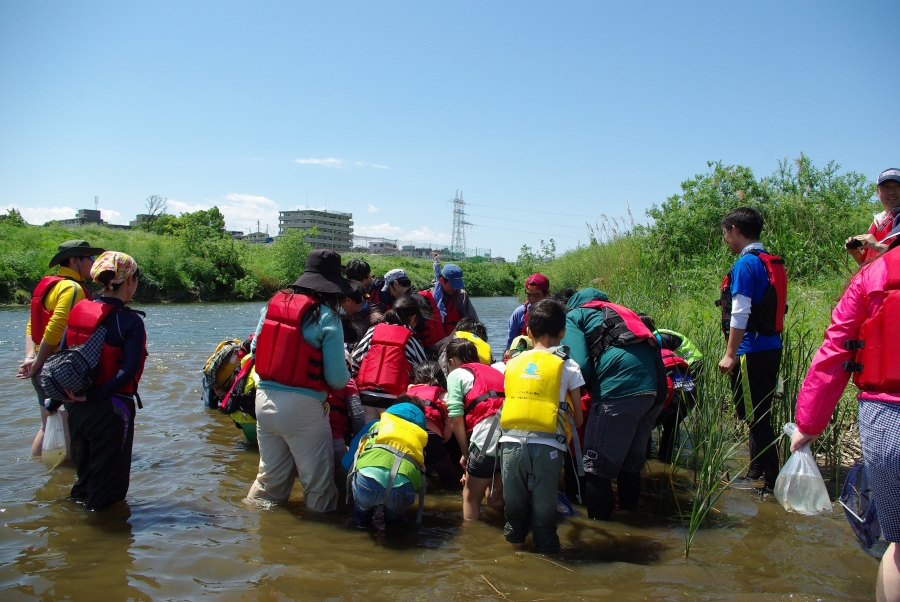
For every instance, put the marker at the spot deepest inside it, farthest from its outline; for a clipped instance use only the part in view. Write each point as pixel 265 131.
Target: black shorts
pixel 481 466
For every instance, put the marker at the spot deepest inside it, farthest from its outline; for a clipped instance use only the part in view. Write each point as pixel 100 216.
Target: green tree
pixel 13 218
pixel 290 251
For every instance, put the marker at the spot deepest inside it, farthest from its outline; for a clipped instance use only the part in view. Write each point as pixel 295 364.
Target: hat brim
pixel 75 252
pixel 456 283
pixel 324 283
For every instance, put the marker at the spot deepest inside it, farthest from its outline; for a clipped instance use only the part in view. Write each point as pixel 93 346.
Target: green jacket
pixel 620 371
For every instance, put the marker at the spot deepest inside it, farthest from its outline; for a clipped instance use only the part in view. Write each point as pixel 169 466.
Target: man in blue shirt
pixel 753 354
pixel 537 288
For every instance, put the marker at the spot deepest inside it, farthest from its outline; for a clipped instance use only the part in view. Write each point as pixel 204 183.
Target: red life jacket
pixel 524 330
pixel 385 368
pixel 84 319
pixel 434 327
pixel 767 316
pixel 435 409
pixel 452 316
pixel 40 315
pixel 621 327
pixel 672 362
pixel 486 395
pixel 338 416
pixel 282 355
pixel 879 230
pixel 876 367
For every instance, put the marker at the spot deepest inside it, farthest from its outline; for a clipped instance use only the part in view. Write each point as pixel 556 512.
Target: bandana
pixel 112 261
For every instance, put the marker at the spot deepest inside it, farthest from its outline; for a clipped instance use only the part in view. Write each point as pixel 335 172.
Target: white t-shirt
pixel 571 379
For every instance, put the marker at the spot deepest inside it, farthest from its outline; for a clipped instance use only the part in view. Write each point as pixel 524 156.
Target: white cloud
pixel 329 162
pixel 41 215
pixel 371 208
pixel 113 217
pixel 339 163
pixel 422 234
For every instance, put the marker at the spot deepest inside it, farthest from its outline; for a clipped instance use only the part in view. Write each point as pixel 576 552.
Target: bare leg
pixel 887 584
pixel 473 493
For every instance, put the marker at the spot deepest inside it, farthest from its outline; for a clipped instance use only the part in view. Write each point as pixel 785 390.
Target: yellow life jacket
pixel 532 402
pixel 484 350
pixel 402 435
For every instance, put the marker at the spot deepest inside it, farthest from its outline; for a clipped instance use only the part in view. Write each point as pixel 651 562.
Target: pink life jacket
pixel 486 395
pixel 435 408
pixel 621 327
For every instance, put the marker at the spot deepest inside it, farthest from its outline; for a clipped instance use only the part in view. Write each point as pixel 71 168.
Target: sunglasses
pixel 91 257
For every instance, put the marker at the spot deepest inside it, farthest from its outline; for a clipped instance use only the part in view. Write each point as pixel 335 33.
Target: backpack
pixel 72 369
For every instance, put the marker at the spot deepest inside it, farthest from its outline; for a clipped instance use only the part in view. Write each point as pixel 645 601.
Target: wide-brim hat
pixel 74 248
pixel 323 273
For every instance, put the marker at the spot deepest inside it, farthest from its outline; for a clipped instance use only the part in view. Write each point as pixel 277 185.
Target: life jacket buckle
pixel 853 366
pixel 854 344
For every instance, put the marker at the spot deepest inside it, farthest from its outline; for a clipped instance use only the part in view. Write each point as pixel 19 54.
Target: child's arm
pixel 575 400
pixel 459 429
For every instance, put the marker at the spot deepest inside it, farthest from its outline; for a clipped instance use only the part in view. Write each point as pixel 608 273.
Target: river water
pixel 184 534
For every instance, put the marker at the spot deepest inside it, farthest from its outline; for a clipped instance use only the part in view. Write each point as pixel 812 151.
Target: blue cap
pixel 409 413
pixel 452 273
pixel 889 174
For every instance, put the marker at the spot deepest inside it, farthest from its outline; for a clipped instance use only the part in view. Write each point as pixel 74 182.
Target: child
pixel 387 464
pixel 474 395
pixel 430 386
pixel 753 305
pixel 543 394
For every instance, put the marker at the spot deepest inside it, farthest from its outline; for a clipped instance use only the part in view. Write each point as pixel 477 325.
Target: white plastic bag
pixel 799 486
pixel 54 448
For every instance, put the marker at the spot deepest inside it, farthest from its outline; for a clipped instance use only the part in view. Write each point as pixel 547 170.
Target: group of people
pixel 367 385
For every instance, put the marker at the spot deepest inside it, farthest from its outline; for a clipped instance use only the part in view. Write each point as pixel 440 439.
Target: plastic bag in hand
pixel 54 449
pixel 799 486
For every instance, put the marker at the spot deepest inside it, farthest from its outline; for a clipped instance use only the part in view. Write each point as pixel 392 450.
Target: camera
pixel 853 244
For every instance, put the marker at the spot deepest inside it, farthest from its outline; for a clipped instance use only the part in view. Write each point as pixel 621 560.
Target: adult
pixel 450 296
pixel 752 312
pixel 102 420
pixel 873 242
pixel 52 300
pixel 622 368
pixel 299 354
pixel 864 305
pixel 396 284
pixel 537 288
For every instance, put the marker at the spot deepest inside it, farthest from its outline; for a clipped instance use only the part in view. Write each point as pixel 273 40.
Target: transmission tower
pixel 458 242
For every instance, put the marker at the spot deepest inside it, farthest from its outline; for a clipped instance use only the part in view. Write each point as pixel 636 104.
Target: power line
pixel 510 219
pixel 533 211
pixel 538 233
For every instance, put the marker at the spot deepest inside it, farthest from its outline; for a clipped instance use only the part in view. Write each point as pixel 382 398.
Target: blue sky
pixel 550 114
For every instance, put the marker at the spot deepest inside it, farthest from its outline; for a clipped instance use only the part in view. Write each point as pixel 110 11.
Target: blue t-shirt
pixel 516 324
pixel 748 278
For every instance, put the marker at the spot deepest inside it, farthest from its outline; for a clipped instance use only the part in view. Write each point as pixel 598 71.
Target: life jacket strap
pixel 853 366
pixel 489 395
pixel 399 456
pixel 854 344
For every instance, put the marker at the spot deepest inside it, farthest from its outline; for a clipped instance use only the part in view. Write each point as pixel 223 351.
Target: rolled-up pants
pixel 293 430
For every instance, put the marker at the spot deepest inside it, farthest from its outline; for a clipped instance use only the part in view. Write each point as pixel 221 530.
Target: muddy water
pixel 184 534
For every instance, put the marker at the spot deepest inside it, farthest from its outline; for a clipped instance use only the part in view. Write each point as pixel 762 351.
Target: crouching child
pixel 541 413
pixel 386 463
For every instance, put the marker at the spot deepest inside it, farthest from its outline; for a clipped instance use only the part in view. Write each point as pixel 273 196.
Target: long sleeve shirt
pixel 59 300
pixel 826 380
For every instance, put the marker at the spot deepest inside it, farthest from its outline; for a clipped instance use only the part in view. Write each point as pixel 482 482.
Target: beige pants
pixel 293 430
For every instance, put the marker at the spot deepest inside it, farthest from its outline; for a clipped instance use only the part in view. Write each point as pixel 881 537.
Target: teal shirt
pixel 326 334
pixel 620 371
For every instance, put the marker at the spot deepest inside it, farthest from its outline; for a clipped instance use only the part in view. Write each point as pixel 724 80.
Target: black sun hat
pixel 322 273
pixel 74 248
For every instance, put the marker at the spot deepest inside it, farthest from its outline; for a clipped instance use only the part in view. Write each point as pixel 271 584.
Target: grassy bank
pixel 673 271
pixel 192 259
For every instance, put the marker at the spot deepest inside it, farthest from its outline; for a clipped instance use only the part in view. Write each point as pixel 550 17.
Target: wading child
pixel 430 387
pixel 388 462
pixel 474 395
pixel 753 305
pixel 542 409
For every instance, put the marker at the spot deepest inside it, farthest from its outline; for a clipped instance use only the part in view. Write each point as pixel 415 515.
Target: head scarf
pixel 112 261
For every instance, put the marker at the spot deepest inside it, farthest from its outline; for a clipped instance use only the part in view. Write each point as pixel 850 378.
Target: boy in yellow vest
pixel 541 411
